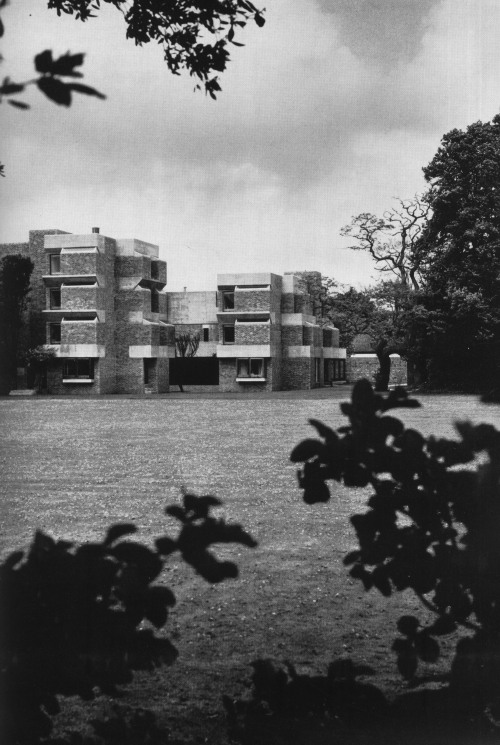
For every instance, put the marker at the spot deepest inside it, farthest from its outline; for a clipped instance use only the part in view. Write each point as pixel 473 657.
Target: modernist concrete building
pixel 260 329
pixel 99 304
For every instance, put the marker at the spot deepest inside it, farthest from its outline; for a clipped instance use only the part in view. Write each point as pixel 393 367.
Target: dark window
pixel 55 298
pixel 205 334
pixel 257 368
pixel 55 263
pixel 149 369
pixel 155 302
pixel 228 334
pixel 228 301
pixel 80 369
pixel 54 333
pixel 155 272
pixel 250 368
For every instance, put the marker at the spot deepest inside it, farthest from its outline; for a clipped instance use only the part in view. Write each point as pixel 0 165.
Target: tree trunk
pixel 384 372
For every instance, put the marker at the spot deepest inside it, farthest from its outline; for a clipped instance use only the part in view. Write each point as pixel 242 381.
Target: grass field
pixel 71 467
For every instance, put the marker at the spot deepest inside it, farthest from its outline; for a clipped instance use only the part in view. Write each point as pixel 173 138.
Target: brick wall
pixel 288 303
pixel 366 367
pixel 79 297
pixel 291 336
pixel 82 332
pixel 246 300
pixel 250 333
pixel 79 263
pixel 296 373
pixel 130 375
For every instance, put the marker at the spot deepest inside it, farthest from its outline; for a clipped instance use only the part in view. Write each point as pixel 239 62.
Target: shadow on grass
pixel 286 708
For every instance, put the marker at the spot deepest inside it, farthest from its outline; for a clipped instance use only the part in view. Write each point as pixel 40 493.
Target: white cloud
pixel 306 133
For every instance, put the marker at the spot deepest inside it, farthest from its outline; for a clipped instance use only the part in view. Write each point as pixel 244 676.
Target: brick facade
pixel 106 297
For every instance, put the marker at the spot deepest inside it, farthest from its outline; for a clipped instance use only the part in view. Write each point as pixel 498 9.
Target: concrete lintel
pixel 241 279
pixel 334 353
pixel 230 351
pixel 78 350
pixel 138 351
pixel 296 351
pixel 297 319
pixel 132 246
pixel 69 240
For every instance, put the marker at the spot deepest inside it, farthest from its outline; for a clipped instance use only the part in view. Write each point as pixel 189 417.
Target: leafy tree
pixel 429 527
pixel 459 313
pixel 81 618
pixel 394 240
pixel 194 36
pixel 15 274
pixel 37 360
pixel 379 311
pixel 186 345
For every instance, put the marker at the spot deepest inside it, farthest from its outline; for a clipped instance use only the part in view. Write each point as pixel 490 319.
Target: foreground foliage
pixel 81 619
pixel 431 526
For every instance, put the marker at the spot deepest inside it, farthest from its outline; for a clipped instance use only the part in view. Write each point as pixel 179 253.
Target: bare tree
pixel 186 345
pixel 395 240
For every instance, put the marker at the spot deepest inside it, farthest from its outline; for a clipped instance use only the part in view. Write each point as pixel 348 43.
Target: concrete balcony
pixel 81 297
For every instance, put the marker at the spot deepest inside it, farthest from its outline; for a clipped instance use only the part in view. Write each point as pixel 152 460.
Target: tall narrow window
pixel 257 368
pixel 54 333
pixel 155 302
pixel 154 270
pixel 55 298
pixel 228 301
pixel 228 334
pixel 55 263
pixel 206 333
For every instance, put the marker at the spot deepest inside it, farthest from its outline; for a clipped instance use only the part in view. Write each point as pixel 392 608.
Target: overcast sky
pixel 330 110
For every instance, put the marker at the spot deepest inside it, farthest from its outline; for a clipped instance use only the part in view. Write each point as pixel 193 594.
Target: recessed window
pixel 78 369
pixel 155 272
pixel 55 298
pixel 155 302
pixel 228 301
pixel 228 334
pixel 55 263
pixel 250 368
pixel 54 333
pixel 206 333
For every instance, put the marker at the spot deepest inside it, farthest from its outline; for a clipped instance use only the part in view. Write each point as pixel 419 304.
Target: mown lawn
pixel 71 467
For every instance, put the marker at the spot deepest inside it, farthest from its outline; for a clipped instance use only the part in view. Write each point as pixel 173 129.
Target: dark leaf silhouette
pixel 56 90
pixel 86 90
pixel 427 527
pixel 118 531
pixel 18 104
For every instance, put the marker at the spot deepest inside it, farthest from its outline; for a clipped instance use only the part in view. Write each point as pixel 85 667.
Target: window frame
pixel 51 258
pixel 249 360
pixel 51 326
pixel 228 326
pixel 77 361
pixel 225 295
pixel 55 291
pixel 206 333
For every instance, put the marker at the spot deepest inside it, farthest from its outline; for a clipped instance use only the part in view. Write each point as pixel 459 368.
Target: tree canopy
pixel 460 309
pixel 15 275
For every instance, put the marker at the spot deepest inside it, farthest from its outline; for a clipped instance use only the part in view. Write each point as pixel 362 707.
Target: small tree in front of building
pixel 37 360
pixel 186 345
